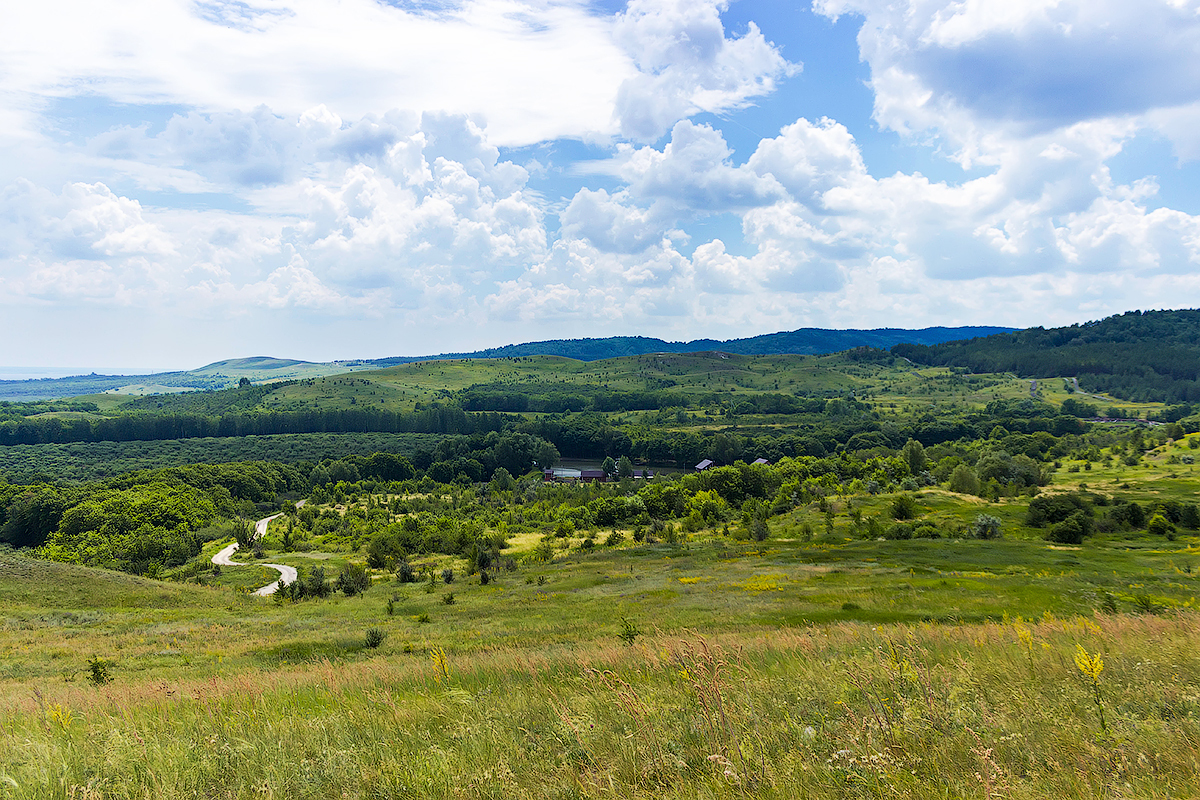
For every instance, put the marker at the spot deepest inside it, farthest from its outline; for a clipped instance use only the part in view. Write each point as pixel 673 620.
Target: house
pixel 705 464
pixel 560 474
pixel 762 461
pixel 593 475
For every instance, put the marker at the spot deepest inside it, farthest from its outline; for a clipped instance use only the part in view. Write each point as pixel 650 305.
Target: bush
pixel 448 599
pixel 374 638
pixel 405 573
pixel 614 539
pixel 986 526
pixel 1160 526
pixel 759 530
pixel 99 671
pixel 447 575
pixel 1048 510
pixel 1072 530
pixel 353 580
pixel 484 580
pixel 904 506
pixel 898 531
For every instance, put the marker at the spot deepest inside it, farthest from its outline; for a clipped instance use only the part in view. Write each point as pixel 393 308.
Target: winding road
pixel 287 574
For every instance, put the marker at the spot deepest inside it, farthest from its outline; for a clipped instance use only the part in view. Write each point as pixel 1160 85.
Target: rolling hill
pixel 263 369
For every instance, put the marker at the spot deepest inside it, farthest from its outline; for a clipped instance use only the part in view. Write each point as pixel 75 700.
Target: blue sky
pixel 185 181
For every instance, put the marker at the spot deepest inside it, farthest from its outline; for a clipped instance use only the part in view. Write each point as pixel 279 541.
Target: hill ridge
pixel 227 372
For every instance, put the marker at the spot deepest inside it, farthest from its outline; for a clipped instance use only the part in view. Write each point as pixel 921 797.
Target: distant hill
pixel 1139 356
pixel 805 341
pixel 258 369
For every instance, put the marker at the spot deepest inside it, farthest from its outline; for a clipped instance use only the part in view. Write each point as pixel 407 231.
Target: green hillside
pixel 1151 356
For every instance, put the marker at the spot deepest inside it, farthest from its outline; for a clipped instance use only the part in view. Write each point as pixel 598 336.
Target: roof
pixel 760 461
pixel 705 464
pixel 593 473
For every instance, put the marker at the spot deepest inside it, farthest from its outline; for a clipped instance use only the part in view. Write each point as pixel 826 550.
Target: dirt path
pixel 287 574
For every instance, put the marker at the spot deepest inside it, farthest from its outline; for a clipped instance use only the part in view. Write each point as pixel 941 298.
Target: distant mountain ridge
pixel 219 374
pixel 805 341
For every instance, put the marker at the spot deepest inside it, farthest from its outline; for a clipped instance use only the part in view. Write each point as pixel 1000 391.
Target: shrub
pixel 1159 525
pixel 405 573
pixel 588 543
pixel 1048 510
pixel 614 539
pixel 629 631
pixel 898 531
pixel 986 526
pixel 374 638
pixel 1072 529
pixel 904 506
pixel 759 530
pixel 484 579
pixel 448 599
pixel 353 580
pixel 99 671
pixel 447 575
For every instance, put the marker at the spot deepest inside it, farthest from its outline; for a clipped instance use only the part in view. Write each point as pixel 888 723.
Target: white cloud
pixel 975 71
pixel 686 64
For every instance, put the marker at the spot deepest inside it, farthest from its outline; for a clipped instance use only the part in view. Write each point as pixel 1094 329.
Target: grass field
pixel 828 668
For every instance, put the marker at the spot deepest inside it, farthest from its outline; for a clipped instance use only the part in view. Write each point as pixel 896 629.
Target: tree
pixel 964 480
pixel 609 466
pixel 913 452
pixel 243 383
pixel 545 455
pixel 624 467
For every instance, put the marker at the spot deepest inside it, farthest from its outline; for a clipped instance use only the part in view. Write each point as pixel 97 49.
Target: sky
pixel 183 181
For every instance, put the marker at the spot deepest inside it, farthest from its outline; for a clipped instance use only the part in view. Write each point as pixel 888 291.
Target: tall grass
pixel 848 710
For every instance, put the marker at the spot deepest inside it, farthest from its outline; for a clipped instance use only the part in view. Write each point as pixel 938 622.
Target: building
pixel 705 464
pixel 762 461
pixel 561 474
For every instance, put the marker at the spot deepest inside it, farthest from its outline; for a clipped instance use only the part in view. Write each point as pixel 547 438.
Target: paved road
pixel 286 574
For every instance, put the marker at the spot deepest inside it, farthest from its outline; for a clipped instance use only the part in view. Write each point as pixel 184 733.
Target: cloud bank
pixel 372 179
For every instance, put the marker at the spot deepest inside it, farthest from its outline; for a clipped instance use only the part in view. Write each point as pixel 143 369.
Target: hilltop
pixel 264 369
pixel 1143 356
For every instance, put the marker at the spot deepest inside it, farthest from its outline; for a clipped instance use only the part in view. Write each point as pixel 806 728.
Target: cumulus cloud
pixel 686 64
pixel 976 71
pixel 409 227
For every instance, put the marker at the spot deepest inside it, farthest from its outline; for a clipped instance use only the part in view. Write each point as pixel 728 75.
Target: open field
pixel 523 687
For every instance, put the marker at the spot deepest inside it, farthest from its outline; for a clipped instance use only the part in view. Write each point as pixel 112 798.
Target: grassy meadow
pixel 712 667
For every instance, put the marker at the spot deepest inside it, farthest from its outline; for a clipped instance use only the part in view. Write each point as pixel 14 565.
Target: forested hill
pixel 261 369
pixel 805 341
pixel 1139 356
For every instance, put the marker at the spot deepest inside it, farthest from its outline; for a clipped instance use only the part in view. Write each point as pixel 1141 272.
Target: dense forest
pixel 1137 356
pixel 163 425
